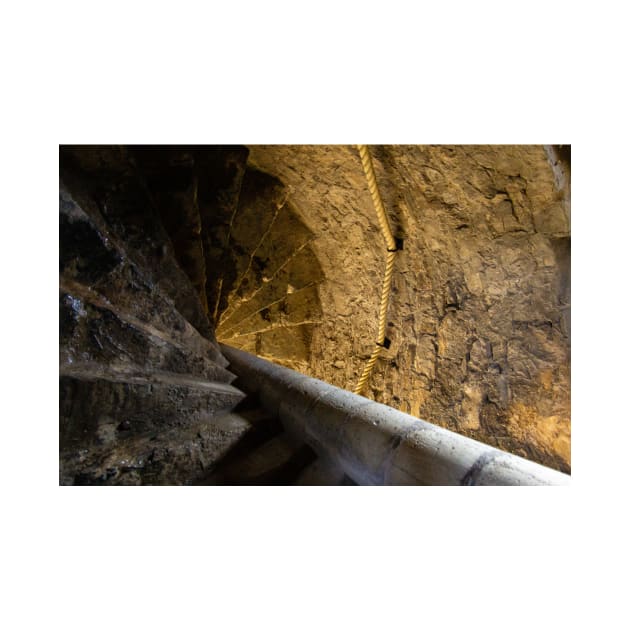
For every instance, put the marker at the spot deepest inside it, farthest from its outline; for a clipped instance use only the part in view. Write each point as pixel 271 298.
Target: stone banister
pixel 375 444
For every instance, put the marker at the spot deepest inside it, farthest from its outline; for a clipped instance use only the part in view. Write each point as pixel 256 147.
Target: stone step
pixel 294 309
pixel 255 415
pixel 94 266
pixel 285 235
pixel 97 334
pixel 288 346
pixel 301 273
pixel 277 461
pixel 176 457
pixel 171 175
pixel 261 198
pixel 98 401
pixel 321 473
pixel 264 427
pixel 123 200
pixel 220 171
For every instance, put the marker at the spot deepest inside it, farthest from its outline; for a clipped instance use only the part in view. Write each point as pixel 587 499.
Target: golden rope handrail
pixel 368 169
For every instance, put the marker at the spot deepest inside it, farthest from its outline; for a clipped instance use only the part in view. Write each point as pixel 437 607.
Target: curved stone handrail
pixel 375 444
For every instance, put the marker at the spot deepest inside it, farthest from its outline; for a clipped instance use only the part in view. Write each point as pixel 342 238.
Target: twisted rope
pixel 368 169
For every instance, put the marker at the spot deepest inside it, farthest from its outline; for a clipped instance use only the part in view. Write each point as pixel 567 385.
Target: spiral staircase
pixel 160 247
pixel 183 270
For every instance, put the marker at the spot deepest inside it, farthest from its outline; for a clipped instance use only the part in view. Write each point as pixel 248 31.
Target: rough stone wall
pixel 479 319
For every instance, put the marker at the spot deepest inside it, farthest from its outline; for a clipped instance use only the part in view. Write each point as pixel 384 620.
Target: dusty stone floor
pixel 479 319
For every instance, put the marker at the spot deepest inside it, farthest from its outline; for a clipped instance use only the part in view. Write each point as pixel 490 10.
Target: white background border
pixel 331 72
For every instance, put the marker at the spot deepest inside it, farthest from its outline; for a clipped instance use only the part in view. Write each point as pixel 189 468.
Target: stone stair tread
pixel 95 266
pixel 129 210
pixel 97 402
pixel 170 172
pixel 263 428
pixel 260 199
pixel 301 272
pixel 220 173
pixel 175 457
pixel 269 455
pixel 130 373
pixel 255 415
pixel 98 334
pixel 284 239
pixel 268 464
pixel 321 473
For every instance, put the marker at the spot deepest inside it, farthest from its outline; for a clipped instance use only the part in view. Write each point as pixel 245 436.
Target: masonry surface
pixel 479 320
pixel 276 250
